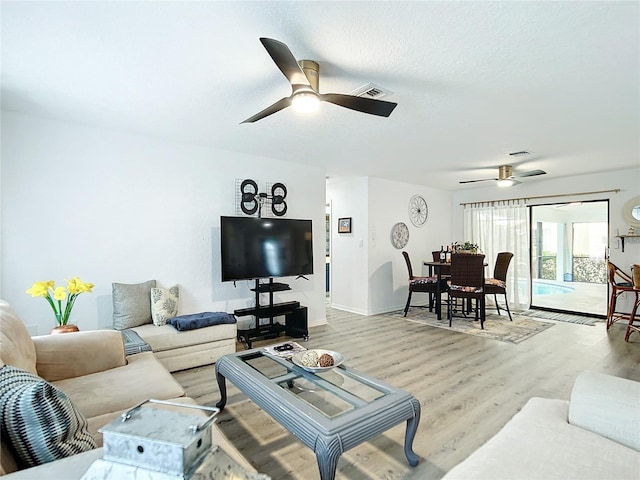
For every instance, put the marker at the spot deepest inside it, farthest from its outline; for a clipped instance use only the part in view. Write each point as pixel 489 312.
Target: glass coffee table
pixel 330 411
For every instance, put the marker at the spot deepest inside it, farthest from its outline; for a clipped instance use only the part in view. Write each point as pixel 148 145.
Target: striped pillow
pixel 38 420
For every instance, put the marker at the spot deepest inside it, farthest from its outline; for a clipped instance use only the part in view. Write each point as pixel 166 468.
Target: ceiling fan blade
pixel 515 182
pixel 474 181
pixel 276 107
pixel 285 61
pixel 360 104
pixel 531 173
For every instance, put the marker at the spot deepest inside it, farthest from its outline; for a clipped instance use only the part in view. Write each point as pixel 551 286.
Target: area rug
pixel 497 327
pixel 562 317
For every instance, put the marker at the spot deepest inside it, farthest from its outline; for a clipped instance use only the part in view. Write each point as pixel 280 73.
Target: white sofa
pixel 596 435
pixel 189 349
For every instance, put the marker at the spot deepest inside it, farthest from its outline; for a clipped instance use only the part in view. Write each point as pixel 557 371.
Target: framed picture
pixel 344 225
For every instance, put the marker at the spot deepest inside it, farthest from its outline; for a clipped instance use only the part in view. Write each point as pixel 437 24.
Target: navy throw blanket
pixel 200 320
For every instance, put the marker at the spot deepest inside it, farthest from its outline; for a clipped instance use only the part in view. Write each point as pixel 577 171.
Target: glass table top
pixel 331 393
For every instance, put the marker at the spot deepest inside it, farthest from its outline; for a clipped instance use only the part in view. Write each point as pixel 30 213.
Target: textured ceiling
pixel 473 80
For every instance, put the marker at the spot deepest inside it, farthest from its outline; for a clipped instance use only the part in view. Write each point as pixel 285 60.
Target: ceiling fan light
pixel 305 102
pixel 505 182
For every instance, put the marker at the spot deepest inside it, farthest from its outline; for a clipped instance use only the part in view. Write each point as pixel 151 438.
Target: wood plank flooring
pixel 468 387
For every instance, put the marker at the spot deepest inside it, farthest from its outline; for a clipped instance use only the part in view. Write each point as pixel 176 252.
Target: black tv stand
pixel 295 315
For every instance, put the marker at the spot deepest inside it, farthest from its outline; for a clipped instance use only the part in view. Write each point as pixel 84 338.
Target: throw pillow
pixel 164 304
pixel 131 304
pixel 38 420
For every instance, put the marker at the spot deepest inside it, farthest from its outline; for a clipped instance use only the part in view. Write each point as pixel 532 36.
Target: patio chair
pixel 634 322
pixel 497 285
pixel 619 283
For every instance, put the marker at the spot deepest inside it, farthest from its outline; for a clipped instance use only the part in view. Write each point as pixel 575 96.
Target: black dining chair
pixel 497 285
pixel 419 284
pixel 444 271
pixel 467 283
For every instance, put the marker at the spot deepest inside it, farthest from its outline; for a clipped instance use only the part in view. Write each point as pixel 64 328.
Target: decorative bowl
pixel 337 360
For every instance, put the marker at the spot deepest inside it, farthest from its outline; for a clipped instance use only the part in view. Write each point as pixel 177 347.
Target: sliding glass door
pixel 568 257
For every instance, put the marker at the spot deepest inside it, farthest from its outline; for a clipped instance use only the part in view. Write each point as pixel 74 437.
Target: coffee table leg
pixel 222 385
pixel 328 451
pixel 412 428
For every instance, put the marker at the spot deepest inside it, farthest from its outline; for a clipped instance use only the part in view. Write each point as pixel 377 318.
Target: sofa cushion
pixel 131 304
pixel 168 338
pixel 608 406
pixel 16 346
pixel 164 304
pixel 39 421
pixel 142 378
pixel 79 353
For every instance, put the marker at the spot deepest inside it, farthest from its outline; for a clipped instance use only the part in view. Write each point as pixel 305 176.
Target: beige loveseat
pixel 189 349
pixel 144 309
pixel 595 435
pixel 92 370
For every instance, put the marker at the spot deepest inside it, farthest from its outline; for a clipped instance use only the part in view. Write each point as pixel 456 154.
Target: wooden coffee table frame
pixel 327 436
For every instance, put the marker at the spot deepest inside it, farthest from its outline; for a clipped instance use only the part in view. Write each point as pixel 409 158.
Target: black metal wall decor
pixel 252 200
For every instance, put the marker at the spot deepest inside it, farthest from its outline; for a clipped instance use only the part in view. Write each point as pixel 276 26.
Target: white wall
pixel 113 207
pixel 349 266
pixel 380 284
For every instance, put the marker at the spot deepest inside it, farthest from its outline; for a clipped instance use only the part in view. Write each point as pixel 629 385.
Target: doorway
pixel 328 253
pixel 568 257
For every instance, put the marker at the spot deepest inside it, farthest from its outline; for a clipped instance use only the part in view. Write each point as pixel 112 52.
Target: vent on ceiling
pixel 371 91
pixel 519 154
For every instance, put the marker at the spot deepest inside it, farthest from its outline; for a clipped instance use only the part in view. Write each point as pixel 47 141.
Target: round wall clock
pixel 418 210
pixel 400 235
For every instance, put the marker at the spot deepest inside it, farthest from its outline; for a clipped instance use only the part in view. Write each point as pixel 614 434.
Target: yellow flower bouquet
pixel 56 295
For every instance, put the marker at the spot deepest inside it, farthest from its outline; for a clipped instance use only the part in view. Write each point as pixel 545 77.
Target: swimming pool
pixel 541 288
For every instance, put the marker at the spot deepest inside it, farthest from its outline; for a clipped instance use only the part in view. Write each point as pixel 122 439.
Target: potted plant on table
pixel 56 296
pixel 466 247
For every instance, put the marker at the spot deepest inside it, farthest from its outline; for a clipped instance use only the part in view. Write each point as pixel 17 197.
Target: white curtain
pixel 503 227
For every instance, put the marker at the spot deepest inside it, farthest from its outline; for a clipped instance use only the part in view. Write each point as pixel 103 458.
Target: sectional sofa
pixel 98 382
pixel 595 435
pixel 146 310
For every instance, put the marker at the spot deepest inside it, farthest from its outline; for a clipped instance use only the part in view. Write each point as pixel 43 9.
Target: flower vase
pixel 64 329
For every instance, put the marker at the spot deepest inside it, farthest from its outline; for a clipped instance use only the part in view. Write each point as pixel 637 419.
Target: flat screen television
pixel 254 248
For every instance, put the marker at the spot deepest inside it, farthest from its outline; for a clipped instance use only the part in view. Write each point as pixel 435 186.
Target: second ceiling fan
pixel 506 177
pixel 304 79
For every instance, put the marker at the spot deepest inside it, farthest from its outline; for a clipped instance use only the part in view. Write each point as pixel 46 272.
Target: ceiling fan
pixel 506 177
pixel 304 79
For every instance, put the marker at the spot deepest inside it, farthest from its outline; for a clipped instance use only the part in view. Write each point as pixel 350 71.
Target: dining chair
pixel 444 271
pixel 497 285
pixel 634 319
pixel 419 284
pixel 467 283
pixel 619 283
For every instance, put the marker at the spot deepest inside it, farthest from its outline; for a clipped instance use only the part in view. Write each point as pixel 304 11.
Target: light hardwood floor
pixel 468 387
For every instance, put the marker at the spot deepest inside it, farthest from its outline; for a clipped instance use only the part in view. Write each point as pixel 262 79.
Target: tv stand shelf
pixel 271 287
pixel 266 311
pixel 295 315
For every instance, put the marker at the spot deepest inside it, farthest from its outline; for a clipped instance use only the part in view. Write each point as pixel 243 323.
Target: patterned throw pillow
pixel 38 420
pixel 164 304
pixel 131 304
